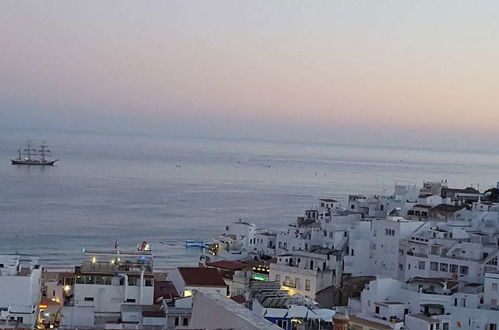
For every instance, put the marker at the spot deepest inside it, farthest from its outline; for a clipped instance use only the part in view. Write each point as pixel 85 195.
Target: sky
pixel 412 73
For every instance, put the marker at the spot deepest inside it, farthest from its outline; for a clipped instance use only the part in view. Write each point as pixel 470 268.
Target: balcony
pixel 108 267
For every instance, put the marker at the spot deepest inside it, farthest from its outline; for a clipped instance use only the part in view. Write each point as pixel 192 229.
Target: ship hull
pixel 33 162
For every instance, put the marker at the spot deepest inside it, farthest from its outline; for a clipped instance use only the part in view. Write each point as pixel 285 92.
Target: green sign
pixel 260 277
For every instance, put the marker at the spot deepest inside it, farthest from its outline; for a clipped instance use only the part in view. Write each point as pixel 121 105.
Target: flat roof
pixel 369 323
pixel 425 318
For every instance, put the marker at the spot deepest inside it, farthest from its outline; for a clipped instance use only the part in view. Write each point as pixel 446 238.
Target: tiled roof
pixel 227 264
pixel 164 290
pixel 158 313
pixel 201 276
pixel 240 299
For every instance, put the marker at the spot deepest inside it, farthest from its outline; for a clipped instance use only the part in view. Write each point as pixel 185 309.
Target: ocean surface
pixel 164 190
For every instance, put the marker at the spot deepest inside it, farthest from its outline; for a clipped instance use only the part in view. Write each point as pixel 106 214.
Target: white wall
pixel 491 289
pixel 73 317
pixel 109 298
pixel 214 311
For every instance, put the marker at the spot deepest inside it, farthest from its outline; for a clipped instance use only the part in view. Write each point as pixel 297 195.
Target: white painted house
pixel 20 291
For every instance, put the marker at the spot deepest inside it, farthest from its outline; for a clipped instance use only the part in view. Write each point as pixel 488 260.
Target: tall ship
pixel 32 156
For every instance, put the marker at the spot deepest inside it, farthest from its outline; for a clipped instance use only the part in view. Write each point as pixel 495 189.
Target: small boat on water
pixel 32 156
pixel 195 244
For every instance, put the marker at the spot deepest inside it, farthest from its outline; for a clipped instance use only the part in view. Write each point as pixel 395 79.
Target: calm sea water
pixel 164 190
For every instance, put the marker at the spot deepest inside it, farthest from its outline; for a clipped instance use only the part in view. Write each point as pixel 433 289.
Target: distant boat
pixel 31 156
pixel 196 244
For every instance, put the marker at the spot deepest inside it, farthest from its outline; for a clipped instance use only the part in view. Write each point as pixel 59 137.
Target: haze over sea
pixel 130 188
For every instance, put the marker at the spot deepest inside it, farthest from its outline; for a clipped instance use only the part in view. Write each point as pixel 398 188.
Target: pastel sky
pixel 414 72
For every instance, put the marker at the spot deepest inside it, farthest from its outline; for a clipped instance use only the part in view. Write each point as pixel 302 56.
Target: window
pixel 185 321
pixel 148 282
pixel 307 285
pixel 377 309
pixel 130 300
pixel 297 283
pixel 494 286
pixel 421 265
pixel 434 266
pixel 278 277
pixel 445 326
pixel 443 267
pixel 454 268
pixel 177 320
pixel 89 299
pixel 463 270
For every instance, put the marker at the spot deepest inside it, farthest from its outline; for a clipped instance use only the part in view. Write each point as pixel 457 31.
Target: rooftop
pixel 369 323
pixel 425 318
pixel 228 265
pixel 201 276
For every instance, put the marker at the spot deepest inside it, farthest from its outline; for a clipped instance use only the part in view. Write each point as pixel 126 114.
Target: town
pixel 422 258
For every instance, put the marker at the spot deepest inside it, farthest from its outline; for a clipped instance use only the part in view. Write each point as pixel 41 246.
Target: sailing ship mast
pixel 29 151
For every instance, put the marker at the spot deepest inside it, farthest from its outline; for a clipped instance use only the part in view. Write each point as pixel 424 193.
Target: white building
pixel 305 272
pixel 105 281
pixel 20 291
pixel 211 310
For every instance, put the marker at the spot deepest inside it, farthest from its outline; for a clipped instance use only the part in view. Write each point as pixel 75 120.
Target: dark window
pixel 377 309
pixel 89 299
pixel 185 322
pixel 130 300
pixel 177 320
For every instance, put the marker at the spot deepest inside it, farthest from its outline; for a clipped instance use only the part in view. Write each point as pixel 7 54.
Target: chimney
pixel 340 321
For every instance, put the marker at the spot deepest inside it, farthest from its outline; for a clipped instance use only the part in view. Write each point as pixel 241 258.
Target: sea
pixel 129 188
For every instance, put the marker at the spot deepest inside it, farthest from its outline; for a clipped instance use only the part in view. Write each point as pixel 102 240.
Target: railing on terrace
pixel 89 266
pixel 417 254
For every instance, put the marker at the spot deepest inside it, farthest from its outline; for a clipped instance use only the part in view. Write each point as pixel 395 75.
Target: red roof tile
pixel 229 265
pixel 201 276
pixel 240 299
